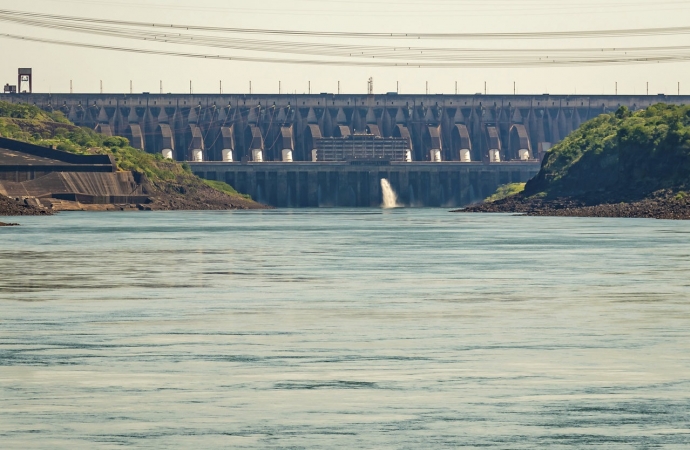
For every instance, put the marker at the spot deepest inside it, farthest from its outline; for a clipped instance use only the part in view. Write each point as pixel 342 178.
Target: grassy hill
pixel 170 182
pixel 623 164
pixel 622 156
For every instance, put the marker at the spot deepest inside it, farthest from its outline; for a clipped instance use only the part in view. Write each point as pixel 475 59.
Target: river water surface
pixel 408 328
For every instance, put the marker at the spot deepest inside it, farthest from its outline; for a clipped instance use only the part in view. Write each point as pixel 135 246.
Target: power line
pixel 357 51
pixel 342 52
pixel 630 32
pixel 467 8
pixel 417 64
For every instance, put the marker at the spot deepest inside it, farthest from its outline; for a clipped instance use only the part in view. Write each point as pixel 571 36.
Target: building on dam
pixel 332 150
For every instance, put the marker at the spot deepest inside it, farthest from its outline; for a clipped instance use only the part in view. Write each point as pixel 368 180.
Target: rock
pixel 18 207
pixel 660 205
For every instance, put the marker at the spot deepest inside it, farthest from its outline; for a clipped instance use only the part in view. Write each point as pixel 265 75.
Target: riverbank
pixel 623 164
pixel 11 207
pixel 662 205
pixel 193 194
pixel 146 181
pixel 170 198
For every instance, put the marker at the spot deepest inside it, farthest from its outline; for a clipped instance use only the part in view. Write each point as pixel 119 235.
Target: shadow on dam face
pixel 301 128
pixel 313 185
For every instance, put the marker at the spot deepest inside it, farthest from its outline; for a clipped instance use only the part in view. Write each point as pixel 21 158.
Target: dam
pixel 333 150
pixel 358 183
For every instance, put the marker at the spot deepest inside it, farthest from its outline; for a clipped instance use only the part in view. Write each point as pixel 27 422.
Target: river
pixel 386 329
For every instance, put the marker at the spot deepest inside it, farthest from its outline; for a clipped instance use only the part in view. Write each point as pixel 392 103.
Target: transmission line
pixel 563 62
pixel 630 32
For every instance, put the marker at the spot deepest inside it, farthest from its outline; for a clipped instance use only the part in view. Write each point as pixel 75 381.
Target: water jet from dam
pixel 390 199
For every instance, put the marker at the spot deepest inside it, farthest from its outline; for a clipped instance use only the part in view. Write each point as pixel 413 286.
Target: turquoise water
pixel 344 329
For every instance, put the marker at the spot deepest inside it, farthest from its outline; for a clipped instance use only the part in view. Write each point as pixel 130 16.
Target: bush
pixel 116 141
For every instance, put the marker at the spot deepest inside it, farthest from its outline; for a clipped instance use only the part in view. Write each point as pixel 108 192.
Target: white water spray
pixel 390 199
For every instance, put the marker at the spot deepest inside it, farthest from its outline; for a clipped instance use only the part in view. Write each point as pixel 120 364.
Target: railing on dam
pixel 448 128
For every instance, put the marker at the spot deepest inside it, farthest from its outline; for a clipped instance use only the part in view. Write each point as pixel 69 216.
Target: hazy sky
pixel 54 65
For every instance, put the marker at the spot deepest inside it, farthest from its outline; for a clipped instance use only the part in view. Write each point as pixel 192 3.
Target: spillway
pixel 309 150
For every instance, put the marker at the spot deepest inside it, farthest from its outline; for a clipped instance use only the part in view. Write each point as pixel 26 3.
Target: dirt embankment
pixel 660 205
pixel 179 195
pixel 184 195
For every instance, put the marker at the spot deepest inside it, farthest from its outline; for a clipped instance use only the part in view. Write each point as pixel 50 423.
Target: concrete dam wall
pixel 200 127
pixel 358 183
pixel 326 149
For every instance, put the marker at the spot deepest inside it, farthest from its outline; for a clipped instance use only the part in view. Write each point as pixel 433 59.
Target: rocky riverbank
pixel 173 198
pixel 193 195
pixel 622 164
pixel 11 207
pixel 661 205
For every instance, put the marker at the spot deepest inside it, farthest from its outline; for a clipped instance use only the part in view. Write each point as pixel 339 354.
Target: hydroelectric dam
pixel 322 150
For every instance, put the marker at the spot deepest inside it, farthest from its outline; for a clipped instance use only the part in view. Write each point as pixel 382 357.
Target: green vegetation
pixel 224 187
pixel 22 111
pixel 505 191
pixel 31 124
pixel 622 155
